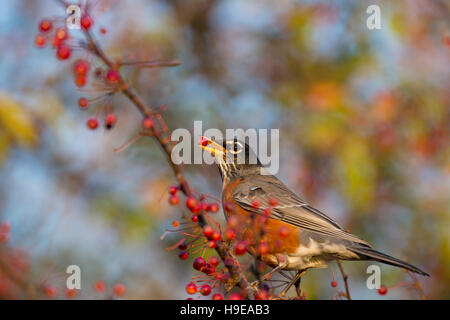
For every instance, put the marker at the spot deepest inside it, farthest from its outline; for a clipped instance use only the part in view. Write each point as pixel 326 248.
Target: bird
pixel 297 236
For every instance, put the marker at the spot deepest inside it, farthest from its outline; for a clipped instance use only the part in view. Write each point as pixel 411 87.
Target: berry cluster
pixel 52 292
pixel 198 240
pixel 104 79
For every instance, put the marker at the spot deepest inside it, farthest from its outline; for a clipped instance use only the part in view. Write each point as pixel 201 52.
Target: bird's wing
pixel 289 208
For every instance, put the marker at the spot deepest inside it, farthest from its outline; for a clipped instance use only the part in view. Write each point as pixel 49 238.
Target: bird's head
pixel 233 157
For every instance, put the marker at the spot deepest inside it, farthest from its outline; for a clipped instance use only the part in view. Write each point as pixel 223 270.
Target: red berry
pixel 334 284
pixel 191 203
pixel 86 22
pixel 232 222
pixel 173 190
pixel 240 247
pixel 148 123
pixel 217 296
pixel 92 123
pixel 262 295
pixel 267 212
pixel 61 34
pixel 263 248
pixel 212 244
pixel 199 263
pixel 234 296
pixel 213 207
pixel 183 255
pixel 83 103
pixel 80 81
pixel 255 204
pixel 214 261
pixel 208 231
pixel 71 293
pixel 99 286
pixel 208 269
pixel 205 289
pixel 174 200
pixel 50 291
pixel 40 41
pixel 191 288
pixel 63 52
pixel 81 67
pixel 230 234
pixel 194 218
pixel 113 76
pixel 383 290
pixel 182 246
pixel 204 141
pixel 45 25
pixel 110 120
pixel 216 236
pixel 119 289
pixel 273 202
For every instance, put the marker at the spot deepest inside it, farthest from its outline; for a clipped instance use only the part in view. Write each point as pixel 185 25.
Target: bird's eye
pixel 236 147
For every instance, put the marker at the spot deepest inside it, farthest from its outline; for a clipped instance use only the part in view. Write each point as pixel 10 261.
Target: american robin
pixel 297 235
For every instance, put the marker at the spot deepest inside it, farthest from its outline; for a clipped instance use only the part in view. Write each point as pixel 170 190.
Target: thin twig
pixel 236 274
pixel 345 278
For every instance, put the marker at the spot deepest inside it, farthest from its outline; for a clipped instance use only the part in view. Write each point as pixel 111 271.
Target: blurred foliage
pixel 364 118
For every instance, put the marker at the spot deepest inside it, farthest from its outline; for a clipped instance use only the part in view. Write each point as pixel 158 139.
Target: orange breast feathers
pixel 256 229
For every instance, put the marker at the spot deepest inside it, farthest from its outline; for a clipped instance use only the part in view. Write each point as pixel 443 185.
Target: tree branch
pixel 236 274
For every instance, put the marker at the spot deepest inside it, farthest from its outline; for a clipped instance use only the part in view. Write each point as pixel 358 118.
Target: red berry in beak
pixel 204 142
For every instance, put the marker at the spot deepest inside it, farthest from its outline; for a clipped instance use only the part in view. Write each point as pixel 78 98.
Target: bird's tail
pixel 367 253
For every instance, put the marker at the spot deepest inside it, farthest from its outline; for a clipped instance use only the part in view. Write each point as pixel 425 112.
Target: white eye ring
pixel 234 144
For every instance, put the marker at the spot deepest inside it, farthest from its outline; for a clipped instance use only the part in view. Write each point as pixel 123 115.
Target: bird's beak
pixel 211 146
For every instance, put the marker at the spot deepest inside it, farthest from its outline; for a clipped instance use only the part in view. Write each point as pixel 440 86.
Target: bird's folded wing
pixel 289 208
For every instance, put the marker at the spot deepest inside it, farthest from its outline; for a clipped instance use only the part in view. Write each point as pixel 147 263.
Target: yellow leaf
pixel 4 147
pixel 356 173
pixel 16 122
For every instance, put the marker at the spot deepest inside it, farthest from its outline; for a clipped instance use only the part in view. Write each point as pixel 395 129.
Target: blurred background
pixel 363 117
